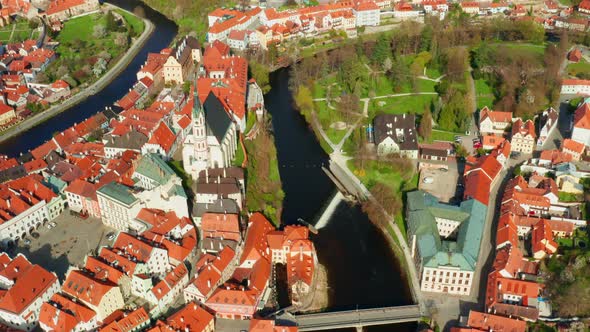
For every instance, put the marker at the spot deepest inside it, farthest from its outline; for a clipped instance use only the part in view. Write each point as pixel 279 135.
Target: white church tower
pixel 195 152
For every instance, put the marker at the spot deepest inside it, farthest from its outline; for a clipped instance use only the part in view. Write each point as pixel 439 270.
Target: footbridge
pixel 358 318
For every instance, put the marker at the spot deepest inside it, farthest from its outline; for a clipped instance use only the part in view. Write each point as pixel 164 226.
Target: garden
pixel 78 61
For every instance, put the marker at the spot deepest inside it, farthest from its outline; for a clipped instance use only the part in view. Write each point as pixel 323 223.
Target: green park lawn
pixel 405 104
pixel 80 27
pixel 22 32
pixel 135 22
pixel 580 69
pixel 484 93
pixel 376 171
pixel 440 135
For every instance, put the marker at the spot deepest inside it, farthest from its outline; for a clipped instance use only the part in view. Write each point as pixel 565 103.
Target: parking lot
pixel 439 182
pixel 66 244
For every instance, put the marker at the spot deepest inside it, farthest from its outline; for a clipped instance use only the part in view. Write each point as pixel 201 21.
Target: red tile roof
pixel 477 186
pixel 524 128
pixel 582 116
pixel 35 165
pixel 30 283
pixel 496 323
pixel 570 144
pixel 256 242
pixel 507 231
pixel 44 149
pixel 264 325
pixel 63 314
pixel 191 318
pixel 128 322
pixel 57 6
pixel 542 239
pixel 85 288
pixel 163 136
pixel 222 225
pixel 495 116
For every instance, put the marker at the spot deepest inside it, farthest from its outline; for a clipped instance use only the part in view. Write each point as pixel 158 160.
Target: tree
pixel 382 50
pixel 111 22
pixel 425 129
pixel 304 100
pixel 273 53
pixel 352 71
pixel 387 64
pixel 386 197
pixel 261 74
pixel 186 87
pixel 99 31
pixel 139 11
pixel 121 39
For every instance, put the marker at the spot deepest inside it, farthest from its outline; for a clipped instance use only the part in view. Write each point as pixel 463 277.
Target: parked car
pixel 428 180
pixel 442 169
pixel 27 242
pixel 110 236
pixel 49 226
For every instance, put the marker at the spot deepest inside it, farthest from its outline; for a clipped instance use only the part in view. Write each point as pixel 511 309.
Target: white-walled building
pixel 523 136
pixel 444 241
pixel 575 86
pixel 103 297
pixel 25 205
pixel 24 288
pixel 581 125
pixel 493 122
pixel 213 139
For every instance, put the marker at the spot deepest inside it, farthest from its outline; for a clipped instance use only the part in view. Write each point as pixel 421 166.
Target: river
pixel 362 270
pixel 163 34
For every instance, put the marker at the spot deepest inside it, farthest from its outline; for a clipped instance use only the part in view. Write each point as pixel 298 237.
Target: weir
pixel 329 211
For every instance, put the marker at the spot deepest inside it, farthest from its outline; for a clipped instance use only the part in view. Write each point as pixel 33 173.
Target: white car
pixel 428 180
pixel 49 226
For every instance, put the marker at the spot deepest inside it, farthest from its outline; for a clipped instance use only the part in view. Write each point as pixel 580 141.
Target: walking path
pixel 100 84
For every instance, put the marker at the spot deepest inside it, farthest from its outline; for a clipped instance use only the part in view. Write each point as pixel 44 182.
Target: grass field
pixel 22 32
pixel 439 135
pixel 132 20
pixel 484 94
pixel 80 27
pixel 580 69
pixel 399 105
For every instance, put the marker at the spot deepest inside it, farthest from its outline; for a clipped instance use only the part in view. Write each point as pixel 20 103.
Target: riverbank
pixel 96 87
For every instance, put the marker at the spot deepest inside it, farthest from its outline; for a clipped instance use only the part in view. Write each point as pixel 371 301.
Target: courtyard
pixel 66 244
pixel 440 182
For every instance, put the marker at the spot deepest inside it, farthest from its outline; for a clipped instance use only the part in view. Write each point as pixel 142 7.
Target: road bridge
pixel 358 318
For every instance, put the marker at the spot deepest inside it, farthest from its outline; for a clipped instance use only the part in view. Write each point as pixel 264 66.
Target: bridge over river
pixel 358 318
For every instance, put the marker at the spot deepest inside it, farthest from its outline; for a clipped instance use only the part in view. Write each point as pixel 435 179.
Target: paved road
pixel 91 90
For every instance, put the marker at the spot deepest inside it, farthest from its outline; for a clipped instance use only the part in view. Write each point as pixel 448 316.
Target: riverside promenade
pixel 95 87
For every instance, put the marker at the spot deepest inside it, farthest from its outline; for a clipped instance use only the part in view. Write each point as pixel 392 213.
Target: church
pixel 212 141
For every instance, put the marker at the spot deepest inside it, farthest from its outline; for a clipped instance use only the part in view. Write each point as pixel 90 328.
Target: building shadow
pixel 43 256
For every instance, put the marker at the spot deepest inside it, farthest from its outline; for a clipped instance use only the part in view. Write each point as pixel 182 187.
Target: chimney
pixel 208 283
pixel 224 175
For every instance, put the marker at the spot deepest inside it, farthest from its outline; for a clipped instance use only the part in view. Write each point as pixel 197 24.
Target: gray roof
pixel 400 127
pixel 218 121
pixel 231 172
pixel 219 206
pixel 119 192
pixel 133 140
pixel 421 210
pixel 217 244
pixel 153 167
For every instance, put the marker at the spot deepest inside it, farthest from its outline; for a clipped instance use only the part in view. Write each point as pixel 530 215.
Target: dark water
pixel 362 269
pixel 164 32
